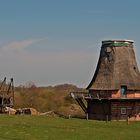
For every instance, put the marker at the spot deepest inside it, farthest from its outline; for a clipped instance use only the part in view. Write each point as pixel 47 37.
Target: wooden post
pixel 127 120
pixel 106 118
pixel 69 116
pixel 87 116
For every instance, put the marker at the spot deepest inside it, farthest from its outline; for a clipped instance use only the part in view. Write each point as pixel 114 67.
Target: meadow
pixel 55 128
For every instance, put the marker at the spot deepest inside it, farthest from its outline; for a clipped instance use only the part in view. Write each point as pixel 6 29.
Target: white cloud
pixel 19 46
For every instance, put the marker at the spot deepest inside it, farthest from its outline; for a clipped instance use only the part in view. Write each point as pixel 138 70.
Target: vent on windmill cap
pixel 117 43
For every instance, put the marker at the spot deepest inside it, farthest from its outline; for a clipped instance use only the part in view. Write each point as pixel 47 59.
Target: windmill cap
pixel 117 41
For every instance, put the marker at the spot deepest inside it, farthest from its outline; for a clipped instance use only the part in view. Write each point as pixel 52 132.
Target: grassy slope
pixel 43 128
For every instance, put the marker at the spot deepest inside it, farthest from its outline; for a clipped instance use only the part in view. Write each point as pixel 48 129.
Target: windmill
pixel 114 91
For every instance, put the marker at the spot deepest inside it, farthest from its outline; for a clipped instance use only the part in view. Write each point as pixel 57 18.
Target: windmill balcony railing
pixel 87 95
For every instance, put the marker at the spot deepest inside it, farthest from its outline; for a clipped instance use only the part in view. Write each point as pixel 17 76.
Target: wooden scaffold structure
pixel 6 94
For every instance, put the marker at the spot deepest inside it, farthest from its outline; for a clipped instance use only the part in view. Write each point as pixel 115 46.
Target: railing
pixel 87 95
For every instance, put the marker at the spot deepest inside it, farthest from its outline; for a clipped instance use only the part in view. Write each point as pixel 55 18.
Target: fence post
pixel 87 116
pixel 106 118
pixel 127 120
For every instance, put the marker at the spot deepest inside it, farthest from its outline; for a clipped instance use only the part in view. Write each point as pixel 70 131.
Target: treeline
pixel 51 98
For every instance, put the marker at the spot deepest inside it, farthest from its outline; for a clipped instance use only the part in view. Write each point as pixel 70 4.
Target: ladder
pixel 80 100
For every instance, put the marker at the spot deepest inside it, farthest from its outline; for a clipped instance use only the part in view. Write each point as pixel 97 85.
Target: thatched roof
pixel 116 66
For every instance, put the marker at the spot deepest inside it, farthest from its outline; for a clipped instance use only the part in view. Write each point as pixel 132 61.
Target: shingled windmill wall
pixel 115 87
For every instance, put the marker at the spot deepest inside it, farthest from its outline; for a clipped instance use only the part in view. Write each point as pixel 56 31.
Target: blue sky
pixel 53 42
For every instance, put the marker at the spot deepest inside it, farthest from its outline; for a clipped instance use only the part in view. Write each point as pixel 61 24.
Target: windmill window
pixel 123 90
pixel 123 111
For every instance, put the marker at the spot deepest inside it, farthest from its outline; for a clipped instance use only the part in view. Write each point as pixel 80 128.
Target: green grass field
pixel 46 128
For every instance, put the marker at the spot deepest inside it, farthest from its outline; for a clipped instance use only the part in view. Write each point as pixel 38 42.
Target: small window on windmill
pixel 123 111
pixel 123 90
